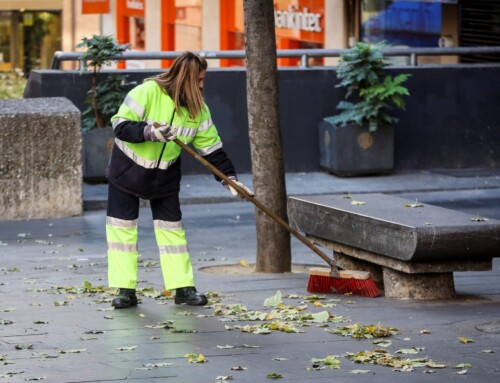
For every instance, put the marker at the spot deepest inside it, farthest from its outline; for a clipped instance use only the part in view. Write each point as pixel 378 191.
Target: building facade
pixel 32 30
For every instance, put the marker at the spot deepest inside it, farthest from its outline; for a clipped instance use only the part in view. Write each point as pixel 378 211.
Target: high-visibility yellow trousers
pixel 122 238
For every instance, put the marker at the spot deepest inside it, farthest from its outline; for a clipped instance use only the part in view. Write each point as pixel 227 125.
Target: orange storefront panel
pixel 95 7
pixel 128 12
pixel 300 20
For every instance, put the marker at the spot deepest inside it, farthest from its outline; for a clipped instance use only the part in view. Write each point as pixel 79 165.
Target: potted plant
pixel 103 100
pixel 360 139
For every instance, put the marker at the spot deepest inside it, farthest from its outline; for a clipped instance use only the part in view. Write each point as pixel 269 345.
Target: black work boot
pixel 126 298
pixel 190 296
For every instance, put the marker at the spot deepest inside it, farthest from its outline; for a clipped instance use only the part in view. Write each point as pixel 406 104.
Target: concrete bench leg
pixel 404 280
pixel 400 285
pixel 349 263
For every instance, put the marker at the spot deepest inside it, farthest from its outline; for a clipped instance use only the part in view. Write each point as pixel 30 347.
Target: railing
pixel 304 54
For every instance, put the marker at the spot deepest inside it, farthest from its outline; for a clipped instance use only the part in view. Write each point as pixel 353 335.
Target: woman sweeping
pixel 145 164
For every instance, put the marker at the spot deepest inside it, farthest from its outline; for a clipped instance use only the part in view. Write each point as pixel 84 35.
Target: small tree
pixel 105 96
pixel 360 71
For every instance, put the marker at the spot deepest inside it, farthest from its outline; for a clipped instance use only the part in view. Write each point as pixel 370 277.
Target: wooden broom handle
pixel 256 202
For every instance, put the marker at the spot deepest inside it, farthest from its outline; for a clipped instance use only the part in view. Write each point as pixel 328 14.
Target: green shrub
pixel 373 94
pixel 12 84
pixel 105 96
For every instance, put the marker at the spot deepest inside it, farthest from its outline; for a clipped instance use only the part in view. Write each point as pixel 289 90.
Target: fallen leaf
pixel 382 342
pixel 360 371
pixel 74 351
pixel 320 317
pixel 414 205
pixel 195 358
pixel 23 346
pixel 274 375
pixel 238 368
pixel 329 362
pixel 156 365
pixel 465 340
pixel 274 300
pixel 242 263
pixel 405 351
pixel 358 202
pixel 463 365
pixel 126 348
pixel 479 219
pixel 222 378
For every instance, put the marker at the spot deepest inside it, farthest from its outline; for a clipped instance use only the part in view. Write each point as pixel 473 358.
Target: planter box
pixel 97 146
pixel 353 151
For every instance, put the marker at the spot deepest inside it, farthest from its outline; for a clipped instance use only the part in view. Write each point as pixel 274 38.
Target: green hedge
pixel 12 84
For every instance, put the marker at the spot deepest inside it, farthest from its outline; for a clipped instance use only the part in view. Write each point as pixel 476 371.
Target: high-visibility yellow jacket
pixel 152 169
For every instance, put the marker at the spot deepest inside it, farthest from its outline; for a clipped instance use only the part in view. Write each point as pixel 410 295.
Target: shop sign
pixel 135 4
pixel 294 18
pixel 28 19
pixel 95 7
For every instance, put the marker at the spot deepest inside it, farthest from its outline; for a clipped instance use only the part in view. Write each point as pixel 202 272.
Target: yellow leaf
pixel 318 304
pixel 242 263
pixel 465 340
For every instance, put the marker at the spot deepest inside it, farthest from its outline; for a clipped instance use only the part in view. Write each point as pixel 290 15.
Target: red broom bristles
pixel 330 285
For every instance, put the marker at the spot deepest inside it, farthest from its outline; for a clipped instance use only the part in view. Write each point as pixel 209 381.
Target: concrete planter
pixel 353 151
pixel 97 146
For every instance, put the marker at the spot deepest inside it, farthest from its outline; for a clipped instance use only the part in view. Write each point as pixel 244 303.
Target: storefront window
pixel 28 39
pixel 401 23
pixel 5 38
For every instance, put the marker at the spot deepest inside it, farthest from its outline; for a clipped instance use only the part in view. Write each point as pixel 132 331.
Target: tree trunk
pixel 273 242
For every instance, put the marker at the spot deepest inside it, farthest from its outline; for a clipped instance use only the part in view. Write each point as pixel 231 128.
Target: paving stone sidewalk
pixel 56 326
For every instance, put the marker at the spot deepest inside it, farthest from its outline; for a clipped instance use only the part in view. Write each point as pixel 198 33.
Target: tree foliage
pixel 105 96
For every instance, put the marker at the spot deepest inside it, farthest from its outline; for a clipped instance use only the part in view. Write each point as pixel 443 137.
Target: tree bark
pixel 273 242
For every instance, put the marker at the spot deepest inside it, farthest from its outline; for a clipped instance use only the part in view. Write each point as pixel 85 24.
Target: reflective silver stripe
pixel 210 149
pixel 118 121
pixel 173 249
pixel 167 225
pixel 164 165
pixel 148 164
pixel 205 125
pixel 184 132
pixel 125 247
pixel 121 223
pixel 132 104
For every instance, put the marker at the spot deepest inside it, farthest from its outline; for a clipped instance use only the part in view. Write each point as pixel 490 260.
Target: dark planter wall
pixel 451 119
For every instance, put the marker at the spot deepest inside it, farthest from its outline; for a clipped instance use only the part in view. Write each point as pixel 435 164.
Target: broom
pixel 321 280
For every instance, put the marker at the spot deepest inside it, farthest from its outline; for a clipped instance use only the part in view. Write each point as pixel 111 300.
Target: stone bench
pixel 40 159
pixel 411 252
